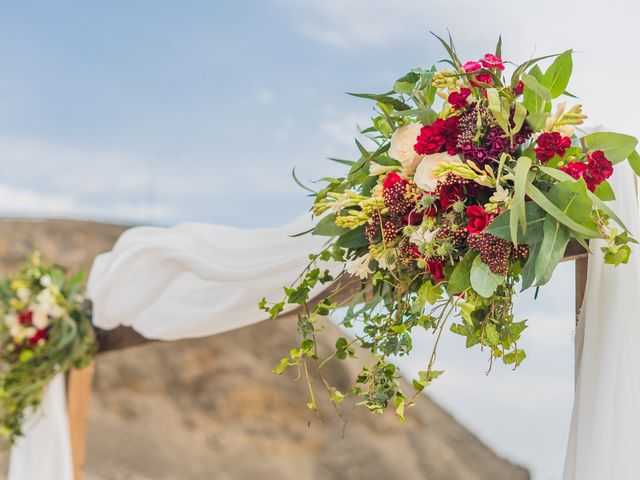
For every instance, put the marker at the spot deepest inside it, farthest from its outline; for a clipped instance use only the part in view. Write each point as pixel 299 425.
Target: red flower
pixel 491 61
pixel 442 135
pixel 599 166
pixel 450 193
pixel 25 318
pixel 458 100
pixel 478 219
pixel 485 78
pixel 436 269
pixel 519 90
pixel 471 66
pixel 412 218
pixel 39 335
pixel 551 144
pixel 575 169
pixel 391 179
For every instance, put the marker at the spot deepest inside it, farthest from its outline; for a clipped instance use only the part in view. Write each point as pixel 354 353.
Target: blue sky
pixel 164 111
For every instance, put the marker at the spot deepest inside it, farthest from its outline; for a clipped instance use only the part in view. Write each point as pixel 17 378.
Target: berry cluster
pixel 496 252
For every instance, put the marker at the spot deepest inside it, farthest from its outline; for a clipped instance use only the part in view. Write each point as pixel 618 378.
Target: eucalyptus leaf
pixel 519 216
pixel 533 84
pixel 535 216
pixel 548 206
pixel 616 146
pixel 529 270
pixel 556 238
pixel 557 76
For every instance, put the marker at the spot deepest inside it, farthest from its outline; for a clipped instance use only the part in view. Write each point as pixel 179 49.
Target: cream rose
pixel 425 177
pixel 402 143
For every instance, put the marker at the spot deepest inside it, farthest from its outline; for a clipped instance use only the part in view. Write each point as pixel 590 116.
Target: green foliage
pixel 554 243
pixel 557 76
pixel 483 280
pixel 66 339
pixel 616 146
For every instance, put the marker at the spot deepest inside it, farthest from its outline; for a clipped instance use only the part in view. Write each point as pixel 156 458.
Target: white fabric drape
pixel 44 453
pixel 605 424
pixel 195 280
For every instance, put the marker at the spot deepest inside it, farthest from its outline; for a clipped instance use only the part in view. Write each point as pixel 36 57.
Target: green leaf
pixel 549 207
pixel 514 357
pixel 616 255
pixel 492 335
pixel 460 277
pixel 483 280
pixel 495 106
pixel 634 161
pixel 604 192
pixel 327 227
pixel 532 83
pixel 519 215
pixel 353 238
pixel 429 293
pixel 557 76
pixel 571 197
pixel 556 237
pixel 559 175
pixel 529 270
pixel 407 83
pixel 500 227
pixel 499 47
pixel 385 98
pixel 616 146
pixel 531 100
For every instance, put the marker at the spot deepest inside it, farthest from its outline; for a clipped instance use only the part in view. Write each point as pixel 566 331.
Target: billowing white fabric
pixel 605 425
pixel 195 280
pixel 44 453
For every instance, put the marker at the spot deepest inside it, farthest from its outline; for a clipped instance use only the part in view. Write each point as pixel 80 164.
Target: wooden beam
pixel 78 394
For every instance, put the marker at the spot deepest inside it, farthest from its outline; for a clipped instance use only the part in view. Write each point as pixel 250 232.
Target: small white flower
pixel 422 237
pixel 45 281
pixel 425 177
pixel 402 142
pixel 23 294
pixel 40 318
pixel 11 321
pixel 359 267
pixel 387 262
pixel 46 298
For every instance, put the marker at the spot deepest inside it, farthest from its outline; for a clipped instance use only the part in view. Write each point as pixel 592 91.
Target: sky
pixel 158 112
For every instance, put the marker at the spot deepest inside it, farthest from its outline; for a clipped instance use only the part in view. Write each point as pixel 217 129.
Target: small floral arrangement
pixel 44 331
pixel 474 187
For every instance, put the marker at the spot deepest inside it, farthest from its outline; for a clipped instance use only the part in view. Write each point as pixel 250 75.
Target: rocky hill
pixel 210 408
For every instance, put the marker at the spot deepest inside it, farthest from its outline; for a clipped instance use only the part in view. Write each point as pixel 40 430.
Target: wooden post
pixel 78 393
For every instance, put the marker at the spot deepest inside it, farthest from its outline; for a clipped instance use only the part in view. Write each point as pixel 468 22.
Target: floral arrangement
pixel 474 187
pixel 44 331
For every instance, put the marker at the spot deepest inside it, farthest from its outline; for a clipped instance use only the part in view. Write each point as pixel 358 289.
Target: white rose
pixel 402 143
pixel 425 177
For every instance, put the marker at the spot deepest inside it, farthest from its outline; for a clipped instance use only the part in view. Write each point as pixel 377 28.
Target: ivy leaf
pixel 514 357
pixel 492 335
pixel 616 146
pixel 483 280
pixel 556 237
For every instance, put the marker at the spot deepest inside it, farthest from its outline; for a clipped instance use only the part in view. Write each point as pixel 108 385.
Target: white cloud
pixel 343 127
